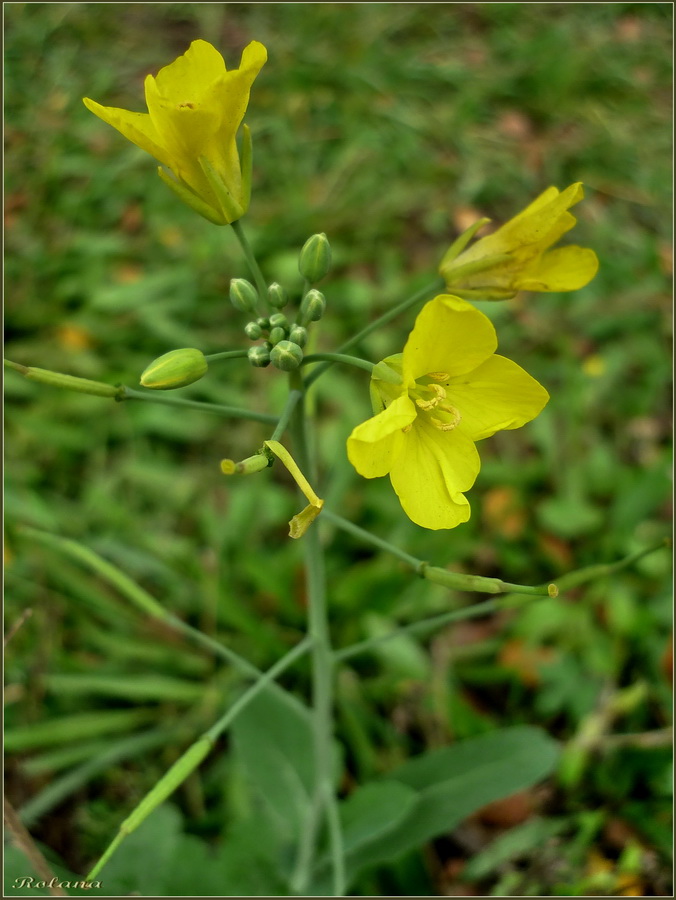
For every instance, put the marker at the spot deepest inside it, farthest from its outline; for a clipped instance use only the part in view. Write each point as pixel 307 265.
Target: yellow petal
pixel 450 335
pixel 497 395
pixel 233 91
pixel 564 269
pixel 431 471
pixel 191 75
pixel 375 444
pixel 136 127
pixel 532 230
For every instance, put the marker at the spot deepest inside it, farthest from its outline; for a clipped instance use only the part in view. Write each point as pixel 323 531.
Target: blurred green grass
pixel 389 127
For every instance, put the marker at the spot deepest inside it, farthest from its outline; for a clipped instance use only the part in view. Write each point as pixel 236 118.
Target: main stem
pixel 323 799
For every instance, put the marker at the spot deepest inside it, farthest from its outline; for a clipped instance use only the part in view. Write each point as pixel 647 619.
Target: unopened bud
pixel 259 356
pixel 253 331
pixel 277 296
pixel 278 319
pixel 312 306
pixel 243 295
pixel 248 466
pixel 286 356
pixel 315 258
pixel 262 323
pixel 277 334
pixel 298 335
pixel 175 369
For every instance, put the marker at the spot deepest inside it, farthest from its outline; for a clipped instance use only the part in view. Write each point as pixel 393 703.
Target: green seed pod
pixel 243 295
pixel 277 296
pixel 315 258
pixel 298 335
pixel 278 319
pixel 175 369
pixel 253 331
pixel 277 334
pixel 312 306
pixel 259 356
pixel 286 356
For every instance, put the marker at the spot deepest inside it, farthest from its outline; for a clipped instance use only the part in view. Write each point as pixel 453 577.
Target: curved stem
pixel 437 285
pixel 340 358
pixel 232 412
pixel 251 261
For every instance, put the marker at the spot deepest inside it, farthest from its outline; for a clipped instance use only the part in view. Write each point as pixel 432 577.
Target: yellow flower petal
pixel 375 444
pixel 564 269
pixel 191 75
pixel 497 395
pixel 431 471
pixel 450 335
pixel 136 127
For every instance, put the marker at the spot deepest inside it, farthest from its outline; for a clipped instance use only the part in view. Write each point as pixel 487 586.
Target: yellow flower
pixel 517 256
pixel 195 108
pixel 449 390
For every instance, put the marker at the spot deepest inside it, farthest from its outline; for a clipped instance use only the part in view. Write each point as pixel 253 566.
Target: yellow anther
pixel 451 410
pixel 443 426
pixel 439 376
pixel 407 428
pixel 427 404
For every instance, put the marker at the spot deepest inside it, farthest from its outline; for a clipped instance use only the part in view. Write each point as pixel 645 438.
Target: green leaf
pixel 273 741
pixel 373 810
pixel 455 781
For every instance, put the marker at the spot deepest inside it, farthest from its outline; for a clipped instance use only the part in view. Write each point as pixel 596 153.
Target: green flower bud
pixel 175 369
pixel 253 331
pixel 277 334
pixel 262 323
pixel 315 258
pixel 243 295
pixel 259 356
pixel 312 306
pixel 286 356
pixel 298 335
pixel 277 296
pixel 278 319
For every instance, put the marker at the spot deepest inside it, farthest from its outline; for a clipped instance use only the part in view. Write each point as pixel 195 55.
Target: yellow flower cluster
pixel 448 389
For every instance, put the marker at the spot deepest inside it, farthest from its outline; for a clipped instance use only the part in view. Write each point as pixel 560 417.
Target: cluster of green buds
pixel 283 340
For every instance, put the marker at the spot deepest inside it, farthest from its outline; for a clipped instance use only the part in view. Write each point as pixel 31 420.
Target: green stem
pixel 340 358
pixel 251 261
pixel 226 354
pixel 69 382
pixel 422 627
pixel 437 285
pixel 232 412
pixel 441 576
pixel 283 423
pixel 323 801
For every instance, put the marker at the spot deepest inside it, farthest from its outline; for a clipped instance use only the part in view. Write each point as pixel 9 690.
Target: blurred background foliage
pixel 391 127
